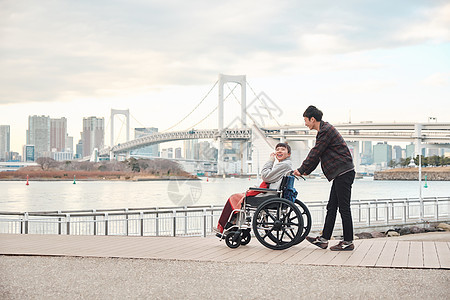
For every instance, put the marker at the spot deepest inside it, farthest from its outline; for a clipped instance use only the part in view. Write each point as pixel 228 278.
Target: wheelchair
pixel 279 220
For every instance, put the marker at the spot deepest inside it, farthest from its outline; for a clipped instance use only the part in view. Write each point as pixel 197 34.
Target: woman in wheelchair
pixel 272 174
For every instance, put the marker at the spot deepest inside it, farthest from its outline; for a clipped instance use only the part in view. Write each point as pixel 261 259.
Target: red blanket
pixel 234 202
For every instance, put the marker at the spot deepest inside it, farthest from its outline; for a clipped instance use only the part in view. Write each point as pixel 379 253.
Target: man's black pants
pixel 340 195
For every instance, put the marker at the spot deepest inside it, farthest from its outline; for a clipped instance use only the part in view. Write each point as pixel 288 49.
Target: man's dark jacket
pixel 331 150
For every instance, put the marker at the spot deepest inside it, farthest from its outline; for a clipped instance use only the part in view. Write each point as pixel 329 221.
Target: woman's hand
pixel 272 156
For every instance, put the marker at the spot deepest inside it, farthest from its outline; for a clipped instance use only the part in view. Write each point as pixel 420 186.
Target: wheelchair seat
pixel 255 201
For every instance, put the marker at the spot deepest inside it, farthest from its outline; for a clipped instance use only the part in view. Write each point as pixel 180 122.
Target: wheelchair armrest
pixel 261 189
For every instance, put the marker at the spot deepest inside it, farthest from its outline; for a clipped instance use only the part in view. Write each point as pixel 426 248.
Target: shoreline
pixel 412 174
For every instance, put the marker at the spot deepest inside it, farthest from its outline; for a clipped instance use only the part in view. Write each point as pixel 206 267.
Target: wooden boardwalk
pixel 385 253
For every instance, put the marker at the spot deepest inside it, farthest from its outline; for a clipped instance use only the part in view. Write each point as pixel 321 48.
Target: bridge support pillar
pixel 126 113
pixel 239 79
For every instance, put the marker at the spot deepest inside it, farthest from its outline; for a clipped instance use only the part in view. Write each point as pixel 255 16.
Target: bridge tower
pixel 239 79
pixel 126 113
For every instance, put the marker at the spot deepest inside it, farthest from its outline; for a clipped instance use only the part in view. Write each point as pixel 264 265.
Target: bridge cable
pixel 264 105
pixel 212 110
pixel 138 121
pixel 120 131
pixel 248 115
pixel 194 108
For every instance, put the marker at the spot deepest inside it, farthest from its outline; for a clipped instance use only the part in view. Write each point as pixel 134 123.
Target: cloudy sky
pixel 384 60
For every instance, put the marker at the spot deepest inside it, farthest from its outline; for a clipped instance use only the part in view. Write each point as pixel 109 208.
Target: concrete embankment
pixel 432 174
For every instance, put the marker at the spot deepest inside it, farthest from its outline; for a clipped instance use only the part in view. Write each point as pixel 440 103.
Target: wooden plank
pixel 387 255
pixel 401 255
pixel 341 258
pixel 300 255
pixel 430 257
pixel 250 250
pixel 359 253
pixel 314 256
pixel 370 259
pixel 415 258
pixel 286 255
pixel 443 252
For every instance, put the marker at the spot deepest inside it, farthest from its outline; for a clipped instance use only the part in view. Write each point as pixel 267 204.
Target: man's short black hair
pixel 313 111
pixel 284 145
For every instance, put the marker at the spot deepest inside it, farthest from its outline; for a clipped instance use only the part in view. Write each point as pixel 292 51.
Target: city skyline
pixel 382 61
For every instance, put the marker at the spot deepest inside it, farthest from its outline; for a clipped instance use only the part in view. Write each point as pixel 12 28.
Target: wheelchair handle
pixel 291 173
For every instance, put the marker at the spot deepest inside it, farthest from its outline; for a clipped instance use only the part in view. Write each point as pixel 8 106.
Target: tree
pixel 46 163
pixel 392 163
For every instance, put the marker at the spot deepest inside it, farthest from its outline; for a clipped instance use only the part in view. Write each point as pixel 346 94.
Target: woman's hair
pixel 284 145
pixel 313 111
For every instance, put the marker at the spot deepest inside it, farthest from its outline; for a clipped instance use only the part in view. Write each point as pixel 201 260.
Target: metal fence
pixel 200 220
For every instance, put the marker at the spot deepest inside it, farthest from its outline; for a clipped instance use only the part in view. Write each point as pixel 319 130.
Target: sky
pixel 380 61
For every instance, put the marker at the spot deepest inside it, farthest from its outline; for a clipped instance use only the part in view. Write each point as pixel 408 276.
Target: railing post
pixel 141 221
pixel 437 208
pixel 368 214
pixel 359 210
pixel 185 220
pixel 25 217
pixel 392 210
pixel 68 224
pixel 204 222
pixel 94 218
pixel 405 211
pixel 174 222
pixel 376 210
pixel 387 212
pixel 157 222
pixel 106 223
pixel 59 223
pixel 212 217
pixel 126 221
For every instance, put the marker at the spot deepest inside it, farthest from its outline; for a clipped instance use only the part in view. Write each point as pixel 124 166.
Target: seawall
pixel 432 174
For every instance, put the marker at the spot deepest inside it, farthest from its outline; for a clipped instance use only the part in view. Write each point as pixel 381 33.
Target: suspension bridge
pixel 262 138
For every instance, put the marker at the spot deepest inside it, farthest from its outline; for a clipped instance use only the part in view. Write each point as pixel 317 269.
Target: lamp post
pixel 418 133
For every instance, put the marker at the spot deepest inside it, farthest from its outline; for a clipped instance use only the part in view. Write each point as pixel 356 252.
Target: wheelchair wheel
pixel 233 239
pixel 278 224
pixel 245 237
pixel 307 220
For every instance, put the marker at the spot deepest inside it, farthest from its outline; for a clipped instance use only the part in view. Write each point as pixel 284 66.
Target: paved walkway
pixel 382 252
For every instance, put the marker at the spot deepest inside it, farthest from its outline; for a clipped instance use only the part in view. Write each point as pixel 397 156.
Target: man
pixel 337 165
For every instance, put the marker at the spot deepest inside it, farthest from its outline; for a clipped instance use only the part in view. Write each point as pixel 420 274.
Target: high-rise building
pixel 28 153
pixel 191 149
pixel 79 148
pixel 178 152
pixel 151 150
pixel 366 153
pixel 58 134
pixel 93 134
pixel 69 143
pixel 5 140
pixel 397 153
pixel 38 134
pixel 382 154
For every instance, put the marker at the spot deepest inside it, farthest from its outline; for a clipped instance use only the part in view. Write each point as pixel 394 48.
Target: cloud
pixel 57 50
pixel 437 80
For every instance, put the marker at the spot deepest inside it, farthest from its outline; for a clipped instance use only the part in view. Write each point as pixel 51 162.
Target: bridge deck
pixel 382 252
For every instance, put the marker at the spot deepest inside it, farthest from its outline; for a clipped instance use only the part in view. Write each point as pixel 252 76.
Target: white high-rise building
pixel 5 140
pixel 38 134
pixel 58 133
pixel 93 134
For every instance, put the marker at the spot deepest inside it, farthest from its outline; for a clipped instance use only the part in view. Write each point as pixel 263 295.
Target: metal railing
pixel 200 220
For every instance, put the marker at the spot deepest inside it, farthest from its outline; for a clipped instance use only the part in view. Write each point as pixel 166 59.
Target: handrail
pixel 201 219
